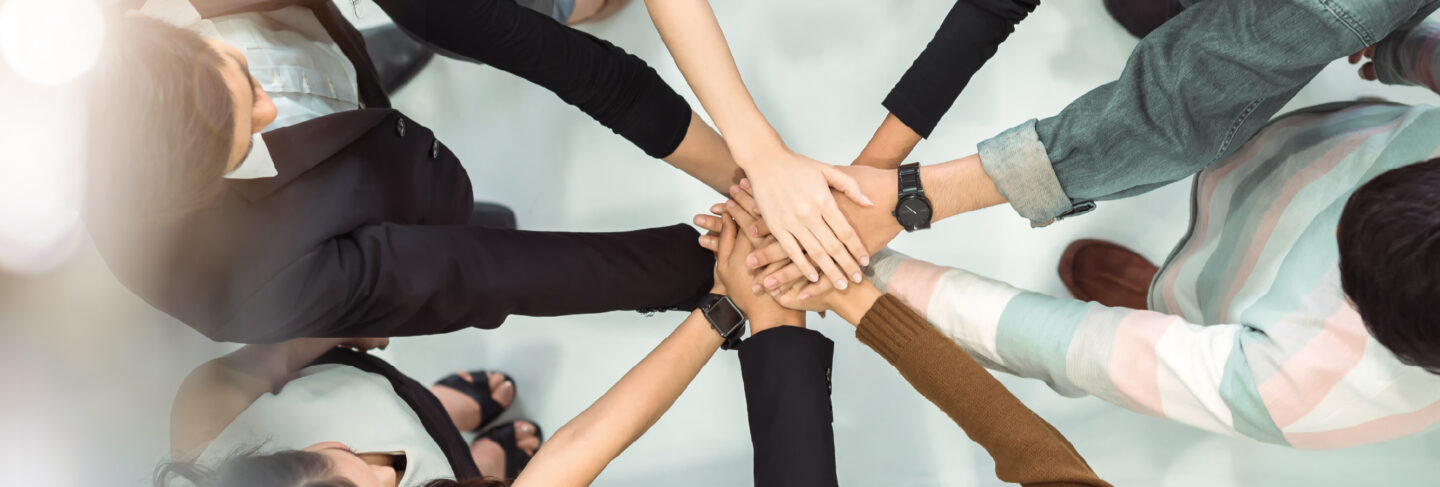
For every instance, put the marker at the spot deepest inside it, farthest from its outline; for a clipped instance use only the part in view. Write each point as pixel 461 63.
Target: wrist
pixel 854 304
pixel 752 152
pixel 767 319
pixel 958 186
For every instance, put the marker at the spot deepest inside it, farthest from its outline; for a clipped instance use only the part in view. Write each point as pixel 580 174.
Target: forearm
pixel 958 186
pixel 891 143
pixel 692 33
pixel 581 449
pixel 704 156
pixel 614 87
pixel 1191 93
pixel 966 39
pixel 1026 449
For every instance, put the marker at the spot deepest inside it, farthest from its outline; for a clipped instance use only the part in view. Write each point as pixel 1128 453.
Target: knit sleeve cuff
pixel 889 327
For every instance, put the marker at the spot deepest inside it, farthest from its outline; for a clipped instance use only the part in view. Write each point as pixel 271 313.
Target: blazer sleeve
pixel 787 392
pixel 614 87
pixel 1027 450
pixel 405 280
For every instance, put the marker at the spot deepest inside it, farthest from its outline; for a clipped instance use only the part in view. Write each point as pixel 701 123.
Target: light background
pixel 87 371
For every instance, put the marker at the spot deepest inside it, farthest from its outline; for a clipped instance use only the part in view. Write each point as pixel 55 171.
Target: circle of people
pixel 256 184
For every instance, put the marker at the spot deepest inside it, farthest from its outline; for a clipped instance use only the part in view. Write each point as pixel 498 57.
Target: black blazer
pixel 787 393
pixel 363 233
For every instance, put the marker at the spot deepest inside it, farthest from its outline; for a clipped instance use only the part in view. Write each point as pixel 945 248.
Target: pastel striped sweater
pixel 1248 331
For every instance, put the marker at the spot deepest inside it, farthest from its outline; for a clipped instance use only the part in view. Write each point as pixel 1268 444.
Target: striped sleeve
pixel 1336 391
pixel 1411 56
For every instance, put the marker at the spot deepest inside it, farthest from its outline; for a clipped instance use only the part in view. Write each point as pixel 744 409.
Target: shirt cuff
pixel 1016 161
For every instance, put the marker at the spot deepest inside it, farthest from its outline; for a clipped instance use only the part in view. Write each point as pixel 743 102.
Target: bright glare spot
pixel 50 41
pixel 41 177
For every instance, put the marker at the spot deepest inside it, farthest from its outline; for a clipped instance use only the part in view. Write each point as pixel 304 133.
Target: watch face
pixel 725 317
pixel 913 212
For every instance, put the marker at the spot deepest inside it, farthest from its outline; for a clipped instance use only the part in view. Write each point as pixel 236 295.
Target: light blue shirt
pixel 294 59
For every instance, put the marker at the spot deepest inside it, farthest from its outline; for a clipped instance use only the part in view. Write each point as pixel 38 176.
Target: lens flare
pixel 50 42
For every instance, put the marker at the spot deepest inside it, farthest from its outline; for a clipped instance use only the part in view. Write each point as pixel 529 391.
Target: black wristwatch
pixel 913 209
pixel 725 318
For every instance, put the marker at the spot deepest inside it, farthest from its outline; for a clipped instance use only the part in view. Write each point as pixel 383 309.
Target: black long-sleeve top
pixel 968 37
pixel 614 87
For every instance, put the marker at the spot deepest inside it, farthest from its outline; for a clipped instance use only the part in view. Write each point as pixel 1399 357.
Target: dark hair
pixel 293 468
pixel 1389 240
pixel 161 122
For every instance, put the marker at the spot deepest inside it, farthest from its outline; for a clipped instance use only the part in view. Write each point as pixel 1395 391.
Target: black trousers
pixel 615 88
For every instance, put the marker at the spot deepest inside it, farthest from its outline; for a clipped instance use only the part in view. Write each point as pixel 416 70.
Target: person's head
pixel 327 464
pixel 1389 239
pixel 172 112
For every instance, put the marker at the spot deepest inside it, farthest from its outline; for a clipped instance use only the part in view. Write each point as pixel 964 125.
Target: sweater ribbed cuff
pixel 889 327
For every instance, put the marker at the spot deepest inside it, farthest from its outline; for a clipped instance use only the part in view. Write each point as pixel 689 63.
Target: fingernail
pixel 745 183
pixel 771 282
pixel 857 277
pixel 867 201
pixel 813 277
pixel 840 284
pixel 730 204
pixel 865 260
pixel 699 220
pixel 755 288
pixel 774 292
pixel 751 261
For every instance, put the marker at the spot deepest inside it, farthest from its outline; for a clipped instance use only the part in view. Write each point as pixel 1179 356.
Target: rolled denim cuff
pixel 1016 162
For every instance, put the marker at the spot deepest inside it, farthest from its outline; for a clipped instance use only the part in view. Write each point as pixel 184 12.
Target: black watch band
pixel 912 208
pixel 725 318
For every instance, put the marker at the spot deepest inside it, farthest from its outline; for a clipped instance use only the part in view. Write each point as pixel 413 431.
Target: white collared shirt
pixel 294 59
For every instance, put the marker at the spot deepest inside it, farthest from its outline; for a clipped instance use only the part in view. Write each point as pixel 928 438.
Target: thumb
pixel 845 184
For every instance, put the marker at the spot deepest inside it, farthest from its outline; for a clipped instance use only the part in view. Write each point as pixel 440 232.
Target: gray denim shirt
pixel 1192 91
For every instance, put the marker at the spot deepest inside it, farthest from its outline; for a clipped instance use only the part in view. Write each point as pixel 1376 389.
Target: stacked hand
pixel 777 271
pixel 732 276
pixel 735 273
pixel 793 195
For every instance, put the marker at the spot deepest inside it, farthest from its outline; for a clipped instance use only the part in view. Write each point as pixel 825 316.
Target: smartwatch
pixel 725 318
pixel 913 208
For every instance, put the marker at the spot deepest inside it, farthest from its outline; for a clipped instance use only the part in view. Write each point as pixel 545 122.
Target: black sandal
pixel 490 409
pixel 515 458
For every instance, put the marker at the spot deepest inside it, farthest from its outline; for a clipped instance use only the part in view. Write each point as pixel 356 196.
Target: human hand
pixel 711 241
pixel 875 225
pixel 1367 70
pixel 792 193
pixel 731 273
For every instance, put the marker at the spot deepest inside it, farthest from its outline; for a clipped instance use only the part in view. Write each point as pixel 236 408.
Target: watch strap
pixel 910 179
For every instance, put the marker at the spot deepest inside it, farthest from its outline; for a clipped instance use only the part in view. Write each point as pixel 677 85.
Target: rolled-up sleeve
pixel 1192 92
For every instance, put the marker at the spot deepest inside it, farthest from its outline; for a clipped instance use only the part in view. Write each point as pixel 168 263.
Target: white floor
pixel 819 71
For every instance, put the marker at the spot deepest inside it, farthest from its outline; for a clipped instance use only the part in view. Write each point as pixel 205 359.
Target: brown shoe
pixel 1104 272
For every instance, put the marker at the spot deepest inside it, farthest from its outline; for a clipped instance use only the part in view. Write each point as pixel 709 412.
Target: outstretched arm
pixel 967 38
pixel 793 190
pixel 1229 378
pixel 581 449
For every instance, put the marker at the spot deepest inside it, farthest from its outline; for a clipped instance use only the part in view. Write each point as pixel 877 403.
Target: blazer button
pixel 435 149
pixel 400 127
